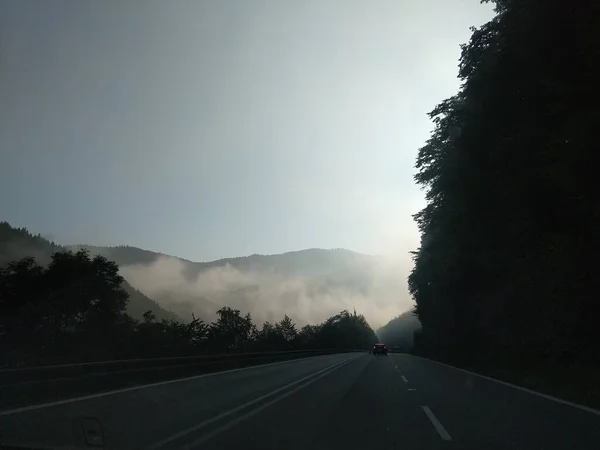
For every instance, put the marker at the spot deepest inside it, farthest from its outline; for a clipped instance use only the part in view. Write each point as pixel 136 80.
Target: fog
pixel 269 294
pixel 13 251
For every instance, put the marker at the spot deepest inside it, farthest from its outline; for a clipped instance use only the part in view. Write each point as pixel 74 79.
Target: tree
pixel 21 291
pixel 287 329
pixel 308 336
pixel 42 307
pixel 345 330
pixel 511 216
pixel 148 317
pixel 269 337
pixel 82 289
pixel 231 331
pixel 74 310
pixel 197 331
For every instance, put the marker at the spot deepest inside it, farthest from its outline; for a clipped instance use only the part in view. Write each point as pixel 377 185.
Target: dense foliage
pixel 17 243
pixel 510 230
pixel 74 309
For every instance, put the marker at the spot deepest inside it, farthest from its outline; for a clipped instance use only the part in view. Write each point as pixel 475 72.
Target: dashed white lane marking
pixel 436 423
pixel 412 389
pixel 404 379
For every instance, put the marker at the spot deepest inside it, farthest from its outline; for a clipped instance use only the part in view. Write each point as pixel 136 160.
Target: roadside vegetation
pixel 504 279
pixel 74 309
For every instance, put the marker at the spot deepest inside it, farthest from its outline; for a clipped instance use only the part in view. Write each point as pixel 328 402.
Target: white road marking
pixel 45 446
pixel 412 389
pixel 404 379
pixel 142 386
pixel 255 411
pixel 539 394
pixel 319 374
pixel 436 423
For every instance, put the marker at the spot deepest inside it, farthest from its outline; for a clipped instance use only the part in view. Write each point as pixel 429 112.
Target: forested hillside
pixel 74 309
pixel 506 270
pixel 17 243
pixel 309 285
pixel 399 332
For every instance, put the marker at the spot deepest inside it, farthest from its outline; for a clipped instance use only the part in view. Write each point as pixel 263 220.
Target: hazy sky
pixel 223 128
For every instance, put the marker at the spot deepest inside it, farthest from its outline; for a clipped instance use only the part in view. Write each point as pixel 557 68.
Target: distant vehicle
pixel 379 349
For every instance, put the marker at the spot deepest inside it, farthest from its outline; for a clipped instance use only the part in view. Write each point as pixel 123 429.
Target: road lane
pixel 231 417
pixel 23 387
pixel 335 402
pixel 140 417
pixel 363 405
pixel 368 404
pixel 482 413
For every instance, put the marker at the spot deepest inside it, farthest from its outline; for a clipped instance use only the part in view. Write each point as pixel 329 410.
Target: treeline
pixel 510 234
pixel 73 309
pixel 16 243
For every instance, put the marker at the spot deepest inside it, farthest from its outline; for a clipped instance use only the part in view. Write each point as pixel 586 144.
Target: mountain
pixel 400 331
pixel 308 285
pixel 17 243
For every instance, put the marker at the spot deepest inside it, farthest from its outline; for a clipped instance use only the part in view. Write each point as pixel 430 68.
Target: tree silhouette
pixel 74 309
pixel 231 331
pixel 511 221
pixel 287 329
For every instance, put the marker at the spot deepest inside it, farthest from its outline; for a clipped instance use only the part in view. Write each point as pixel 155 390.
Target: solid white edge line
pixel 260 408
pixel 436 423
pixel 520 388
pixel 216 418
pixel 145 386
pixel 27 445
pixel 404 379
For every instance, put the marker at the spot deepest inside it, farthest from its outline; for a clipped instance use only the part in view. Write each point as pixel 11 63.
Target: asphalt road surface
pixel 335 402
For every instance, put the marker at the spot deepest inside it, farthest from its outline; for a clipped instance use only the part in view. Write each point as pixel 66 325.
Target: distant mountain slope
pixel 17 243
pixel 309 285
pixel 400 331
pixel 305 262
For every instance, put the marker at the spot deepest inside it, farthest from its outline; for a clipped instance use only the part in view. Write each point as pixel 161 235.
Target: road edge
pixel 514 386
pixel 76 399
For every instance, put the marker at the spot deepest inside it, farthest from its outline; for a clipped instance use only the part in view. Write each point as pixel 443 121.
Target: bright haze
pixel 224 128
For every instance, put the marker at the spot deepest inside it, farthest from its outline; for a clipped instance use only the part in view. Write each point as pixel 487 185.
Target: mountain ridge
pixel 17 243
pixel 309 285
pixel 225 259
pixel 246 282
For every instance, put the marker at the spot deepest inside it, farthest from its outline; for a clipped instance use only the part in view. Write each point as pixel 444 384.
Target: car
pixel 379 349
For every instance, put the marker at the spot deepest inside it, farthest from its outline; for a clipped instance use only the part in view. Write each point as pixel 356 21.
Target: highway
pixel 344 401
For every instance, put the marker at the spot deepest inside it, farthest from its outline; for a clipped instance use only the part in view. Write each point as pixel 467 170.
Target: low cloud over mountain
pixel 307 285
